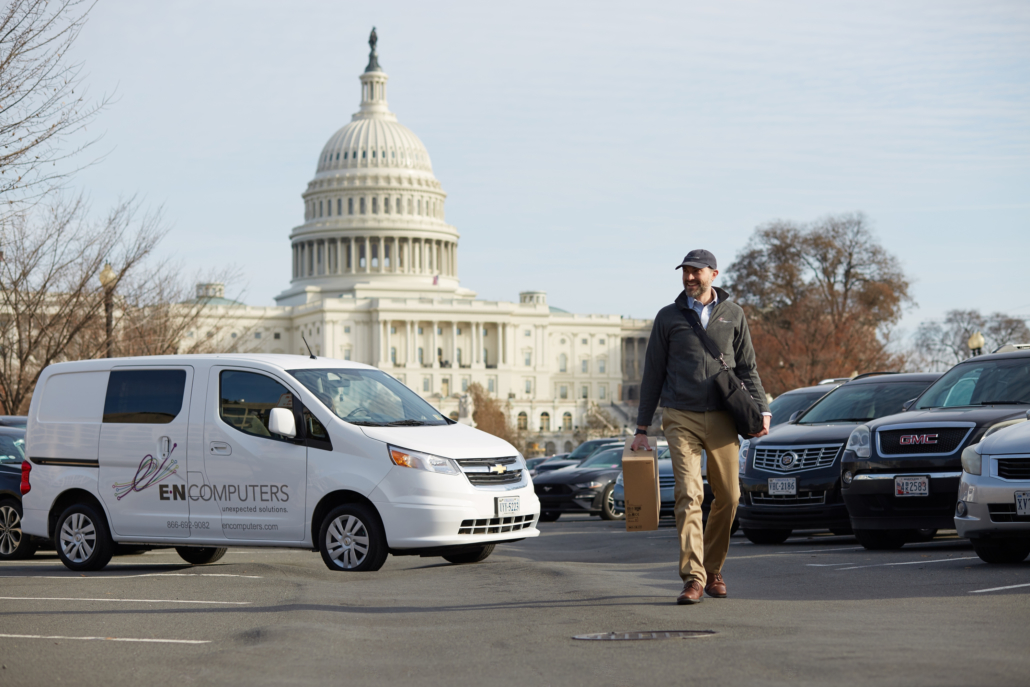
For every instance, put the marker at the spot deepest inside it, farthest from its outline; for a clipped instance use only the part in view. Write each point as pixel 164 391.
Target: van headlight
pixel 742 454
pixel 972 461
pixel 407 458
pixel 858 442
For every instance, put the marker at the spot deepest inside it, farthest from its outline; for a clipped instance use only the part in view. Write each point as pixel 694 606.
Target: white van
pixel 203 452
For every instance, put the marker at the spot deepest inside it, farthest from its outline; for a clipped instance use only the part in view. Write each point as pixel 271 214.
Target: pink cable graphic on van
pixel 147 474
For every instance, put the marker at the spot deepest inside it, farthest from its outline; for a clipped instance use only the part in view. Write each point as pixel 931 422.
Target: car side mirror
pixel 281 422
pixel 907 404
pixel 793 416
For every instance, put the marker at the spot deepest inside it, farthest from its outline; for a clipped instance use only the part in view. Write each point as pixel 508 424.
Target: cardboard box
pixel 640 484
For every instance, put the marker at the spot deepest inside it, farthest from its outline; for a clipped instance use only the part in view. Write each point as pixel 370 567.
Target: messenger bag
pixel 747 416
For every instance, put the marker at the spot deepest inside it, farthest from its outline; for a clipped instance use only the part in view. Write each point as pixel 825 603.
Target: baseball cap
pixel 698 258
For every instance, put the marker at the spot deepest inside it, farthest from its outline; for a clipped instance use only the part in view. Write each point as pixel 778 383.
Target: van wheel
pixel 766 536
pixel 471 556
pixel 83 542
pixel 351 539
pixel 1003 551
pixel 882 540
pixel 200 555
pixel 14 544
pixel 549 515
pixel 609 511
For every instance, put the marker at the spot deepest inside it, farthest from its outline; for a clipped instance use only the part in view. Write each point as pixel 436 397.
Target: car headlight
pixel 619 480
pixel 589 485
pixel 742 455
pixel 407 458
pixel 972 461
pixel 859 441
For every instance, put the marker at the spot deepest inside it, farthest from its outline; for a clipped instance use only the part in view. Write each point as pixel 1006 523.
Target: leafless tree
pixel 43 101
pixel 941 344
pixel 821 299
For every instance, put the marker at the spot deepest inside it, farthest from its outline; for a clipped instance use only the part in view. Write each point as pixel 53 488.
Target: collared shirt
pixel 703 311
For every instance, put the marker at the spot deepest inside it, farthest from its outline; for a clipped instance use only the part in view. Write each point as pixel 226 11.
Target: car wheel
pixel 922 535
pixel 351 539
pixel 882 540
pixel 549 516
pixel 766 536
pixel 1002 551
pixel 82 538
pixel 842 531
pixel 197 555
pixel 472 556
pixel 14 544
pixel 609 511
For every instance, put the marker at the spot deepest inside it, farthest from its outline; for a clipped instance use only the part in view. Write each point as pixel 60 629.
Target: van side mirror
pixel 907 404
pixel 793 416
pixel 280 421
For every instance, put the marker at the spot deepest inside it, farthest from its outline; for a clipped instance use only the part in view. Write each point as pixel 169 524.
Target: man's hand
pixel 766 420
pixel 640 443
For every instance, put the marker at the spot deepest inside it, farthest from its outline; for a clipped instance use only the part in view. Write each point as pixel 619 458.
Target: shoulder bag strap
pixel 695 324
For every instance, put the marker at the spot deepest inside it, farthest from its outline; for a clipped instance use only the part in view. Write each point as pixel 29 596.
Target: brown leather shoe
pixel 716 586
pixel 691 594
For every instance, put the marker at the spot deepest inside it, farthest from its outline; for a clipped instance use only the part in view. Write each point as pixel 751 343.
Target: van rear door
pixel 143 441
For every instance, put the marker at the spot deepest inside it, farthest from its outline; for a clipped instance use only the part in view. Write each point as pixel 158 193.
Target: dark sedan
pixel 791 479
pixel 14 544
pixel 581 489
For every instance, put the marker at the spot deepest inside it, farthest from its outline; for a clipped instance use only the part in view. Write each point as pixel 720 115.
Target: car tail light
pixel 26 468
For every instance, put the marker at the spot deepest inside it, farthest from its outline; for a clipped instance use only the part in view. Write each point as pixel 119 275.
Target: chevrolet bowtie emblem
pixel 499 469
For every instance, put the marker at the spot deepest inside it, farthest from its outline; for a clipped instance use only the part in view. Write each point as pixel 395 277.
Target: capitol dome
pixel 374 211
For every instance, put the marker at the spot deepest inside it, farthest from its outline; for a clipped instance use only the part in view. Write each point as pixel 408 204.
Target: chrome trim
pixel 794 448
pixel 71 462
pixel 919 425
pixel 872 476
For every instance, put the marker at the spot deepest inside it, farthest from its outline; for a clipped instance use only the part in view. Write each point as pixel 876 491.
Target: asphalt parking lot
pixel 816 610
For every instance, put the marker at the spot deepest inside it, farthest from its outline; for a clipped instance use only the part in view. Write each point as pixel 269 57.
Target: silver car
pixel 993 508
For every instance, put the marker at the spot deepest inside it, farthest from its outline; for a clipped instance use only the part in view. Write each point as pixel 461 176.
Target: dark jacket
pixel 679 370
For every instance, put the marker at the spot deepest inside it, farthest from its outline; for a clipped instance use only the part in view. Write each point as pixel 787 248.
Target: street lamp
pixel 108 277
pixel 976 343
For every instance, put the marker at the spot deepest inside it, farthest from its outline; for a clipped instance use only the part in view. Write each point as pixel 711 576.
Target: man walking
pixel 679 371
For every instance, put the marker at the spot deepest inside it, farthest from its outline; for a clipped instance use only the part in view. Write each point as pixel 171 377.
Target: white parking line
pixel 111 639
pixel 72 576
pixel 998 589
pixel 137 601
pixel 939 560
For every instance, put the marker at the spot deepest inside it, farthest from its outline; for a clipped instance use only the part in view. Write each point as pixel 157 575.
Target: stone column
pixel 386 337
pixel 454 344
pixel 432 355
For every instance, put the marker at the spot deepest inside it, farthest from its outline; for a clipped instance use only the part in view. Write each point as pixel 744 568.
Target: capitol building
pixel 375 280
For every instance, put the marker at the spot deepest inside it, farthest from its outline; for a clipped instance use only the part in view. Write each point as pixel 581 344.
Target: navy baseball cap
pixel 698 258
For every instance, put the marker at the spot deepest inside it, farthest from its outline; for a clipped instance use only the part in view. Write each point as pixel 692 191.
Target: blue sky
pixel 586 146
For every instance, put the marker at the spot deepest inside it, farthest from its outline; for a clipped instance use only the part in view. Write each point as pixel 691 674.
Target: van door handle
pixel 220 448
pixel 164 447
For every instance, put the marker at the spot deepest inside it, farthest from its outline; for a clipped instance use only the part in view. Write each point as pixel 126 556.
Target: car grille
pixel 803 498
pixel 496 525
pixel 552 489
pixel 805 457
pixel 1014 468
pixel 666 481
pixel 1005 512
pixel 480 474
pixel 947 440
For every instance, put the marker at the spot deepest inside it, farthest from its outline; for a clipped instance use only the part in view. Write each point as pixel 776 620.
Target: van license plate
pixel 783 486
pixel 1022 502
pixel 912 486
pixel 507 505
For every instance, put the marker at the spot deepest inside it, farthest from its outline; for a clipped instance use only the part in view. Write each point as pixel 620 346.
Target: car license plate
pixel 507 505
pixel 1022 502
pixel 783 486
pixel 912 486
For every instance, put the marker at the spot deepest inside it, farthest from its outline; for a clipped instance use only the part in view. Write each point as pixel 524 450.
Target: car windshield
pixel 785 405
pixel 12 449
pixel 585 449
pixel 611 458
pixel 862 402
pixel 370 398
pixel 992 382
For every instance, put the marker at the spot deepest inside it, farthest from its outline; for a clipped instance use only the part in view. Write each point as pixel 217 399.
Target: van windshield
pixel 370 398
pixel 992 382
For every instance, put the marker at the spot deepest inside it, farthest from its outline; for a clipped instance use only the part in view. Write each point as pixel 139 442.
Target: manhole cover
pixel 654 634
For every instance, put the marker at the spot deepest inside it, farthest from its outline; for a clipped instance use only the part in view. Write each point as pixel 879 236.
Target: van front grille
pixel 512 523
pixel 492 472
pixel 487 479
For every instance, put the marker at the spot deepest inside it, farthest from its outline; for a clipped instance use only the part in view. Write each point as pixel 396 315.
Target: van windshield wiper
pixel 404 423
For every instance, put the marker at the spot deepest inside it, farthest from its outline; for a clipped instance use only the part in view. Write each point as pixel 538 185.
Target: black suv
pixel 901 473
pixel 791 478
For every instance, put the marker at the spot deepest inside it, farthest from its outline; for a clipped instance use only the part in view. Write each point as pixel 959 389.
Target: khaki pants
pixel 688 433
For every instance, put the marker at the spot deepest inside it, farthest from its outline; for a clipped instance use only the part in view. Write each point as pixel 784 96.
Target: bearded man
pixel 679 372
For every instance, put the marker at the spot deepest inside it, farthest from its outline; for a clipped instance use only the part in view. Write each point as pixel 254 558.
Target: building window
pixel 409 205
pixel 566 422
pixel 491 385
pixel 584 366
pixel 276 335
pixel 393 354
pixel 602 392
pixel 464 384
pixel 346 329
pixel 319 208
pixel 563 391
pixel 339 206
pixel 563 363
pixel 584 342
pixel 439 330
pixel 545 422
pixel 529 386
pixel 257 335
pixel 399 204
pixel 386 204
pixel 420 330
pixel 528 333
pixel 364 154
pixel 375 205
pixel 529 359
pixel 350 206
pixel 600 366
pixel 600 341
pixel 425 384
pixel 346 354
pixel 523 421
pixel 361 205
pixel 485 332
pixel 458 352
pixel 459 331
pixel 584 392
pixel 393 330
pixel 233 335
